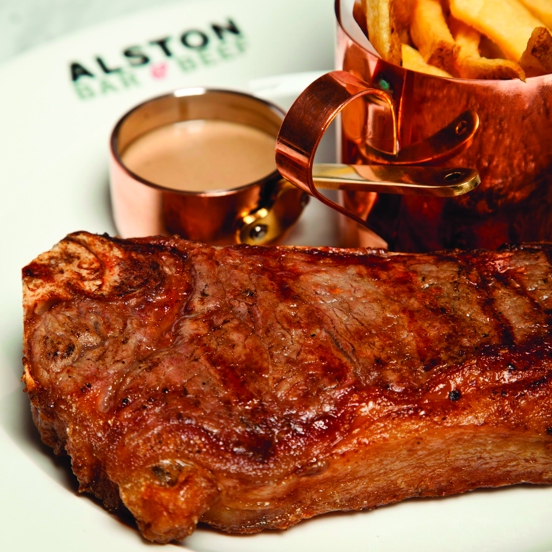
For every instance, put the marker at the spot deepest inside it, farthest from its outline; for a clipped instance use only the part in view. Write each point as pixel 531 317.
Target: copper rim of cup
pixel 188 104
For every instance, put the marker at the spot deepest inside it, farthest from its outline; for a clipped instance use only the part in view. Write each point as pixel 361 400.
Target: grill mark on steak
pixel 251 388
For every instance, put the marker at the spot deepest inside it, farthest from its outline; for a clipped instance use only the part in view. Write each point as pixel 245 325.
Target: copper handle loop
pixel 308 119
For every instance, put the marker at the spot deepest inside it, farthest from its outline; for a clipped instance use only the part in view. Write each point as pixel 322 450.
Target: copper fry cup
pixel 391 116
pixel 256 212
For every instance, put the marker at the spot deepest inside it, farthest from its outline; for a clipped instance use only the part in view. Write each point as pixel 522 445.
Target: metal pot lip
pixel 182 95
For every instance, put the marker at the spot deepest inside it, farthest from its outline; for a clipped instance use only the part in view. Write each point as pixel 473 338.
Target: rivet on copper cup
pixel 200 163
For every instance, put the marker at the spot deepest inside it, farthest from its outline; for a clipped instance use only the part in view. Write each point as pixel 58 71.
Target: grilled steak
pixel 251 388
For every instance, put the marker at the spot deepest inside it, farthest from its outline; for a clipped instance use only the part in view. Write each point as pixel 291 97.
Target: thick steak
pixel 250 388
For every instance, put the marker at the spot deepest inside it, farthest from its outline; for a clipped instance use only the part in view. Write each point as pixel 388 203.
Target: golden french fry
pixel 470 64
pixel 412 59
pixel 537 58
pixel 402 13
pixel 542 9
pixel 382 30
pixel 507 22
pixel 431 35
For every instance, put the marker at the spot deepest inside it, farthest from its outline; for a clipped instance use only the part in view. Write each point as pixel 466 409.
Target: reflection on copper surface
pixel 512 151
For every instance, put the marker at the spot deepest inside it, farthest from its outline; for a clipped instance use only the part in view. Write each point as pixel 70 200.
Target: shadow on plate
pixel 16 418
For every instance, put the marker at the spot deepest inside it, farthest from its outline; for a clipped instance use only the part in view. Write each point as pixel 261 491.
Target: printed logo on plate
pixel 193 49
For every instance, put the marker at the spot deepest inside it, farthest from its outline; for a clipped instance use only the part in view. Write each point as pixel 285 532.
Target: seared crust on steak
pixel 251 388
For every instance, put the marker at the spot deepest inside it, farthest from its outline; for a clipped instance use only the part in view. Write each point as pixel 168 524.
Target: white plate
pixel 53 174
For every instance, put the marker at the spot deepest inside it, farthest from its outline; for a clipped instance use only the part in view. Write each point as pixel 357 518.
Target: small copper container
pixel 259 212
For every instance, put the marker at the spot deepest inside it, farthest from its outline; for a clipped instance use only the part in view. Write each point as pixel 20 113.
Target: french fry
pixel 402 14
pixel 537 58
pixel 470 64
pixel 382 29
pixel 412 59
pixel 507 22
pixel 431 35
pixel 541 9
pixel 473 39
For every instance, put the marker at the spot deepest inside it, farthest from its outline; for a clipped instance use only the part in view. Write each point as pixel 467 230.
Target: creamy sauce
pixel 202 155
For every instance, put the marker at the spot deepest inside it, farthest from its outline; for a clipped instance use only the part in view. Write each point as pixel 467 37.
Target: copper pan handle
pixel 395 179
pixel 316 108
